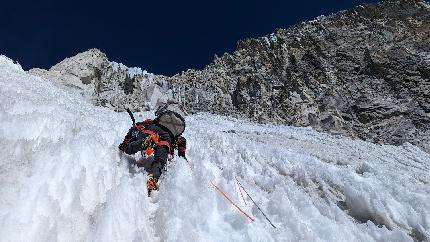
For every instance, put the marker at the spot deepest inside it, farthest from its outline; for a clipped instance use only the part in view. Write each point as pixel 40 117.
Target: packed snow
pixel 63 179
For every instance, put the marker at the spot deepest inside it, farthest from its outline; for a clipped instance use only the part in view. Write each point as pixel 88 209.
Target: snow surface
pixel 62 179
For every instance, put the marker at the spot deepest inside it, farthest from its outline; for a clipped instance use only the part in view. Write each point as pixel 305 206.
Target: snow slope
pixel 62 179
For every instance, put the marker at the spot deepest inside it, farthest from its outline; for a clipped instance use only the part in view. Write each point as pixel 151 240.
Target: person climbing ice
pixel 156 139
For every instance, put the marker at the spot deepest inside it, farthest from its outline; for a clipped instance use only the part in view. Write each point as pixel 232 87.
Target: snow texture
pixel 62 179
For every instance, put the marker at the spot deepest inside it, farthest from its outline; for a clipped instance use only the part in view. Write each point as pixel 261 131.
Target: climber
pixel 157 139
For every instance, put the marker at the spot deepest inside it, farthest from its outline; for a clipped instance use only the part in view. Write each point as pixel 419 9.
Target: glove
pixel 122 146
pixel 182 146
pixel 181 152
pixel 182 155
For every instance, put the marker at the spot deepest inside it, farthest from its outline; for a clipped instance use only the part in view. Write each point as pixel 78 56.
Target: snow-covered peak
pixel 92 58
pixel 77 73
pixel 106 83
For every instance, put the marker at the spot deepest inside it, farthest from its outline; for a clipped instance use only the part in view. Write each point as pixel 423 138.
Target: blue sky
pixel 163 37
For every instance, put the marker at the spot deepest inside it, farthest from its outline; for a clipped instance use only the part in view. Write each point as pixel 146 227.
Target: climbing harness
pixel 151 141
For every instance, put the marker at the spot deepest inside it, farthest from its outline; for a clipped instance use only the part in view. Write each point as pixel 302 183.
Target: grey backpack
pixel 171 117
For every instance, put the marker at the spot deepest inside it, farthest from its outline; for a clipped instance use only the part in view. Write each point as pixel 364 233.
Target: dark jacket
pixel 135 139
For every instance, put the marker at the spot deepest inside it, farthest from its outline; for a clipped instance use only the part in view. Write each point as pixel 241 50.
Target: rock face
pixel 362 73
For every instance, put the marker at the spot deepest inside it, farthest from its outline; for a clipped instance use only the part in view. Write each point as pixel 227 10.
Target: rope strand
pixel 231 201
pixel 255 204
pixel 224 194
pixel 240 191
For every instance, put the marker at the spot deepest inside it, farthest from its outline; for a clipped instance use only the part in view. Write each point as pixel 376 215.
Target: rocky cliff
pixel 364 73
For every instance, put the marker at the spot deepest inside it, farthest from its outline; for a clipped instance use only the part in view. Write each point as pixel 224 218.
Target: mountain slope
pixel 363 73
pixel 63 180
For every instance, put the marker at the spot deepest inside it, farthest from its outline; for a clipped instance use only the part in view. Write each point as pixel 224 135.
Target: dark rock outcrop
pixel 362 72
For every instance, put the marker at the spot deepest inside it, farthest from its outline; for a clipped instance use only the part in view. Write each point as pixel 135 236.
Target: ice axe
pixel 131 116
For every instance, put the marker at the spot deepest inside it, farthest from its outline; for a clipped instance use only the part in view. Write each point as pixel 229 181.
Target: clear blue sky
pixel 163 37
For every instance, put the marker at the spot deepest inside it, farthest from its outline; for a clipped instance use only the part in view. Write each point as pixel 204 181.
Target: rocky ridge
pixel 364 73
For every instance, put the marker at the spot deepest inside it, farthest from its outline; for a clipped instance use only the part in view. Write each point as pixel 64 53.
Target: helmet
pixel 171 117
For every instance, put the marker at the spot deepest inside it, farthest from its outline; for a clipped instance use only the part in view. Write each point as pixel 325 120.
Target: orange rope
pixel 231 201
pixel 240 190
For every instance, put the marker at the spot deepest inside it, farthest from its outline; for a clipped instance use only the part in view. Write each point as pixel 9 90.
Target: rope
pixel 255 204
pixel 240 191
pixel 224 194
pixel 231 201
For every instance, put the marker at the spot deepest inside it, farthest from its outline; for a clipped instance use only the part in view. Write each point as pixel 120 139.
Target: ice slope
pixel 62 179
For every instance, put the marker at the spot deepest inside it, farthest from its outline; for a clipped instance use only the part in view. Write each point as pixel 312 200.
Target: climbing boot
pixel 151 183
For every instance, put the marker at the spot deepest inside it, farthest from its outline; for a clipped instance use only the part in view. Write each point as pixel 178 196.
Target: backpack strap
pixel 141 125
pixel 147 131
pixel 163 143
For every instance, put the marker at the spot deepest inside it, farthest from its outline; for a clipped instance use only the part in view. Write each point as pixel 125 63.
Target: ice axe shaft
pixel 131 116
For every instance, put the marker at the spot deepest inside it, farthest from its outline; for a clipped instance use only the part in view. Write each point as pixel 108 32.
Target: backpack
pixel 171 118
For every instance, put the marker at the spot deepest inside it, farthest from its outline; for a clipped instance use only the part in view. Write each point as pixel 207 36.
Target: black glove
pixel 181 143
pixel 122 146
pixel 182 154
